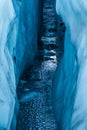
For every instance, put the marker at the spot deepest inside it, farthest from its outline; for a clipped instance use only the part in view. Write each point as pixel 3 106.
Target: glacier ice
pixel 18 46
pixel 70 80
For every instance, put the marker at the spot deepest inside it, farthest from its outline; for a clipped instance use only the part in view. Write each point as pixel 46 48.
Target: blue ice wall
pixel 18 47
pixel 26 47
pixel 70 81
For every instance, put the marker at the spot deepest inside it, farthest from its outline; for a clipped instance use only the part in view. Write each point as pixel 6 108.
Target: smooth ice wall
pixel 70 81
pixel 18 46
pixel 27 34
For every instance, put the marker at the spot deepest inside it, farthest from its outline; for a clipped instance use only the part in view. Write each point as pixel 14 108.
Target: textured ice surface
pixel 70 82
pixel 18 39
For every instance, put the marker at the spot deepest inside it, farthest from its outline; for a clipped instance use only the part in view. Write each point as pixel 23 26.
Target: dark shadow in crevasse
pixel 35 86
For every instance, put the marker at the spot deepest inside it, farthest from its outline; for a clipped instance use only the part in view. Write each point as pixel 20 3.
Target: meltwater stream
pixel 35 87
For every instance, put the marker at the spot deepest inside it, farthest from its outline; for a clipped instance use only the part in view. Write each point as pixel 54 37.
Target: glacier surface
pixel 70 81
pixel 18 47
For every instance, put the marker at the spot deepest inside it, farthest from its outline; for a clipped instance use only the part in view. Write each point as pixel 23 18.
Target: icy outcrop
pixel 70 81
pixel 18 46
